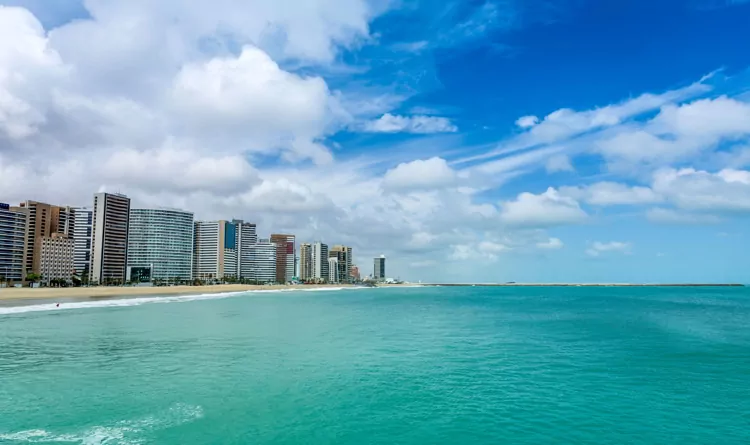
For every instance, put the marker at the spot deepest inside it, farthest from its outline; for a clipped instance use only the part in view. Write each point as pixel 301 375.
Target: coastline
pixel 103 292
pixel 582 285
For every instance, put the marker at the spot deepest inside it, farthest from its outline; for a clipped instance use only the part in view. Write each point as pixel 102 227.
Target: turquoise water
pixel 383 366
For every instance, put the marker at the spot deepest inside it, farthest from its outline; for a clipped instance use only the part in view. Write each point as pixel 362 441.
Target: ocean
pixel 469 365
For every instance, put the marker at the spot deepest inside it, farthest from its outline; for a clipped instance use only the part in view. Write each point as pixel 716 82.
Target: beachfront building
pixel 320 262
pixel 262 261
pixel 379 268
pixel 12 244
pixel 355 273
pixel 160 241
pixel 82 229
pixel 305 262
pixel 285 252
pixel 343 254
pixel 43 220
pixel 216 254
pixel 56 257
pixel 109 238
pixel 333 270
pixel 247 236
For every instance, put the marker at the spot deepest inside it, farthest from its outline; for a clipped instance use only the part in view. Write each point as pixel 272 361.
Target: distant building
pixel 333 269
pixel 355 273
pixel 161 239
pixel 285 251
pixel 319 262
pixel 379 268
pixel 343 254
pixel 306 262
pixel 84 217
pixel 109 238
pixel 12 243
pixel 262 258
pixel 56 257
pixel 247 238
pixel 215 253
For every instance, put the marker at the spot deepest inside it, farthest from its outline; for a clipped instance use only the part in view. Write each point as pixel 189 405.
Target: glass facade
pixel 161 239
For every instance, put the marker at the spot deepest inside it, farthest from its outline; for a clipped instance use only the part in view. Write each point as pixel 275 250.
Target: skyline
pixel 472 141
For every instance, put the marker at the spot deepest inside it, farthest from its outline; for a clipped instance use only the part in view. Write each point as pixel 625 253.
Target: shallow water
pixel 382 366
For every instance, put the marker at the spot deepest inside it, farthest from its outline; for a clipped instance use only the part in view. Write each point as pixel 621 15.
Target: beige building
pixel 56 257
pixel 306 262
pixel 43 221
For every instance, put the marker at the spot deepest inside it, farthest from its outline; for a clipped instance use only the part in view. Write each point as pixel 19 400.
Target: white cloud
pixel 389 123
pixel 527 121
pixel 559 163
pixel 690 189
pixel 546 209
pixel 597 248
pixel 420 174
pixel 612 193
pixel 551 244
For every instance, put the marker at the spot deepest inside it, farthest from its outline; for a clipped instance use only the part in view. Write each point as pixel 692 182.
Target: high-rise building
pixel 12 243
pixel 57 257
pixel 82 229
pixel 247 237
pixel 109 238
pixel 344 256
pixel 43 220
pixel 262 258
pixel 355 273
pixel 160 241
pixel 333 270
pixel 320 262
pixel 379 268
pixel 305 262
pixel 215 254
pixel 285 251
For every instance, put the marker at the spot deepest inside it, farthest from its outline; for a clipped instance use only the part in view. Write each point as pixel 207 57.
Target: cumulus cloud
pixel 725 191
pixel 559 163
pixel 543 210
pixel 389 123
pixel 527 121
pixel 598 248
pixel 551 244
pixel 420 174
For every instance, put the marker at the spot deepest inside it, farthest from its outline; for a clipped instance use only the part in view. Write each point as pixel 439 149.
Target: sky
pixel 467 141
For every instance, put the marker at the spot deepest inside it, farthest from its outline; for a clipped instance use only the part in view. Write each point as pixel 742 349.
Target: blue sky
pixel 539 141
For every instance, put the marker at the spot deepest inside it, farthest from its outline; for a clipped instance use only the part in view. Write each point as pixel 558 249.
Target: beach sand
pixel 135 291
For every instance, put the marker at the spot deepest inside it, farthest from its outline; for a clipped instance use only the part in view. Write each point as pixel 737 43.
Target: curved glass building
pixel 160 245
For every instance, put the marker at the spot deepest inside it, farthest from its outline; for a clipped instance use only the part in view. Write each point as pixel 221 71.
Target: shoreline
pixel 103 292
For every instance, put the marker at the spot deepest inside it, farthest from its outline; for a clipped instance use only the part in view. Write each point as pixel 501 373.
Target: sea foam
pixel 137 301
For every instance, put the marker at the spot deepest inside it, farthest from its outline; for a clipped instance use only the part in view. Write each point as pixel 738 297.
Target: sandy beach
pixel 110 292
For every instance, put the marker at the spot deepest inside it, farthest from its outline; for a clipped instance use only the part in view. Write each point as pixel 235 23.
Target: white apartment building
pixel 320 261
pixel 109 238
pixel 57 257
pixel 215 254
pixel 162 240
pixel 333 270
pixel 262 261
pixel 247 238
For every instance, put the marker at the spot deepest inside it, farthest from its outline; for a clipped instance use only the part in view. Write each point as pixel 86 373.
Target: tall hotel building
pixel 305 262
pixel 343 254
pixel 56 257
pixel 285 252
pixel 12 243
pixel 262 261
pixel 109 238
pixel 247 237
pixel 43 221
pixel 216 253
pixel 320 262
pixel 160 245
pixel 379 268
pixel 84 217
